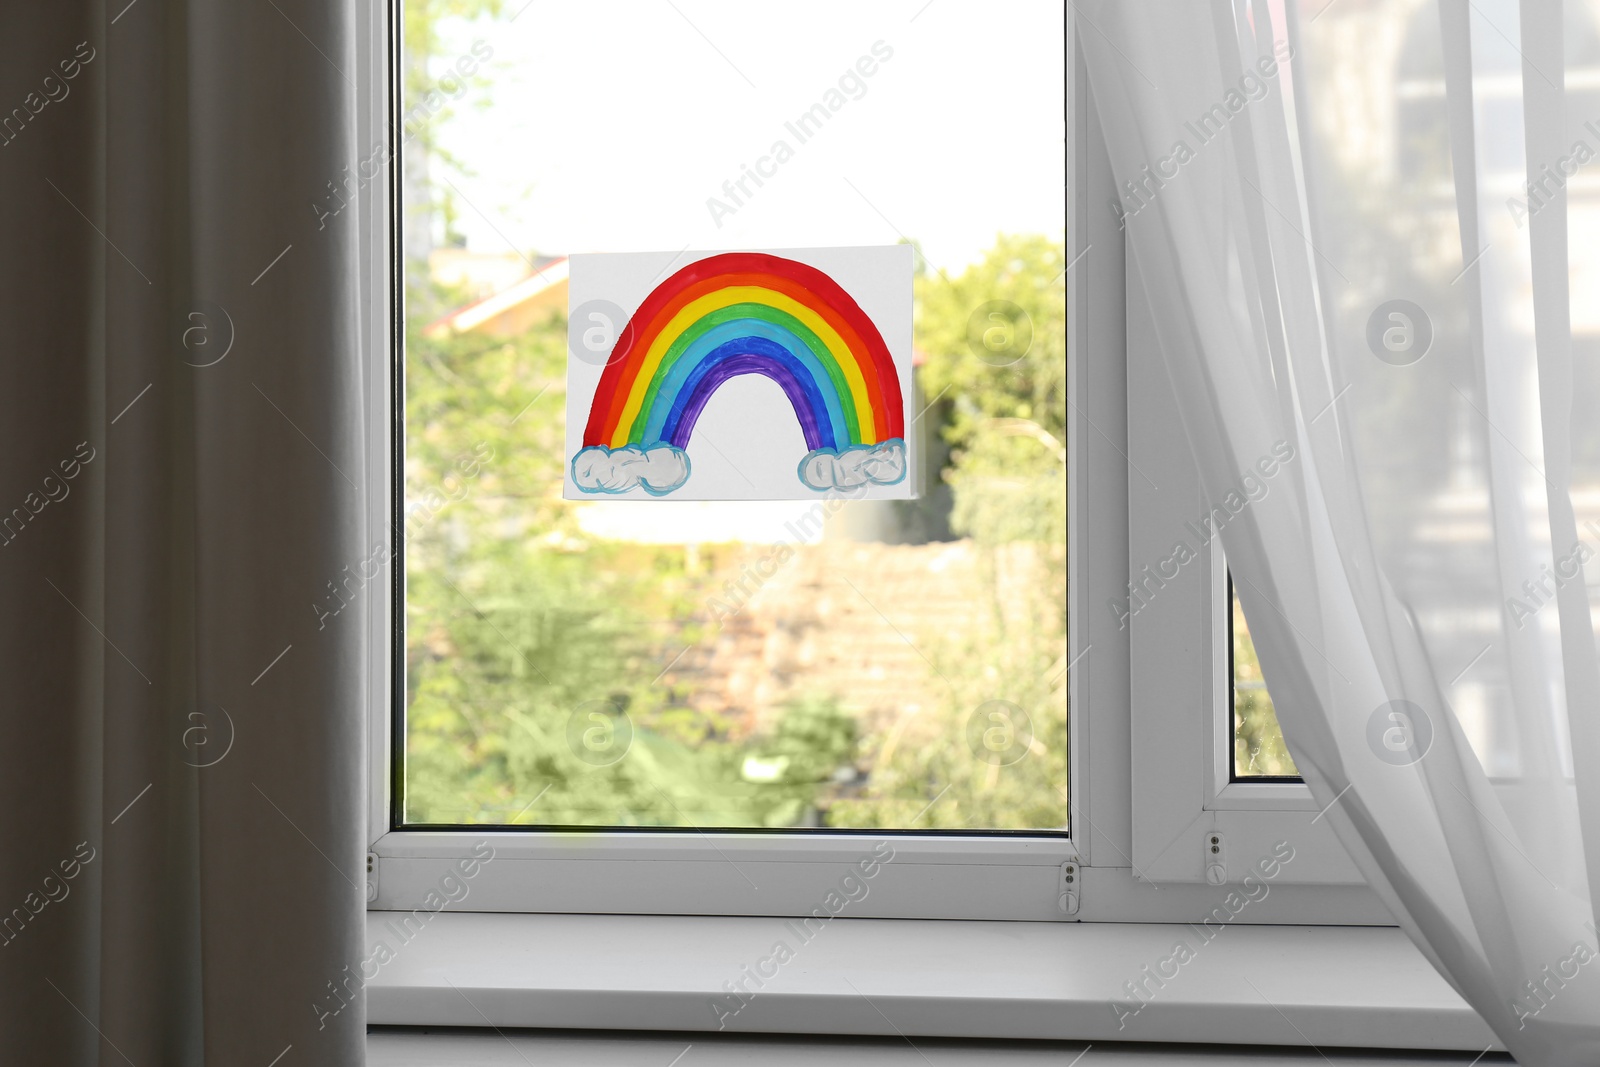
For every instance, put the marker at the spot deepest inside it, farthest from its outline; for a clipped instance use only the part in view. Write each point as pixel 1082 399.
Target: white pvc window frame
pixel 1092 876
pixel 1190 816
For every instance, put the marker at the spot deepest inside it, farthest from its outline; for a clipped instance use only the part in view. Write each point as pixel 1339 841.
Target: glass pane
pixel 1258 749
pixel 741 664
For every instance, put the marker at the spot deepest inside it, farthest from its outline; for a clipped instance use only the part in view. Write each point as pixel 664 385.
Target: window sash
pixel 1176 618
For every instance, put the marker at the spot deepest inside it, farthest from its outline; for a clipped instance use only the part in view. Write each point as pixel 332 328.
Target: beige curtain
pixel 181 793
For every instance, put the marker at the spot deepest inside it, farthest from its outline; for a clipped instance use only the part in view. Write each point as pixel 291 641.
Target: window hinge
pixel 1068 900
pixel 372 877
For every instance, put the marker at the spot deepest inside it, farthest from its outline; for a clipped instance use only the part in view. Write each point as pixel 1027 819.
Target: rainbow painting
pixel 722 318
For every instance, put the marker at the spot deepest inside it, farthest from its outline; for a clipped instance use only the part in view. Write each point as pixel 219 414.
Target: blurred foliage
pixel 996 342
pixel 929 770
pixel 1258 747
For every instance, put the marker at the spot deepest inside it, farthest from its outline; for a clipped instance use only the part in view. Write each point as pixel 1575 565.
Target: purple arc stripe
pixel 767 367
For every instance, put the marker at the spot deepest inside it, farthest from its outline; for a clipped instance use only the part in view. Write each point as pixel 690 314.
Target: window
pixel 721 708
pixel 821 664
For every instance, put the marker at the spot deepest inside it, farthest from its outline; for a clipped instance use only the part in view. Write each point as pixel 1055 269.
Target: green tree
pixel 996 343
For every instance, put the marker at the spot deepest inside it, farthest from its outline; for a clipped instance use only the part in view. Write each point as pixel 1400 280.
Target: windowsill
pixel 1328 986
pixel 483 1047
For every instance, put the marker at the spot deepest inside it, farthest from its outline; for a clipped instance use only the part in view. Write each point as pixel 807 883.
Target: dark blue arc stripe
pixel 751 355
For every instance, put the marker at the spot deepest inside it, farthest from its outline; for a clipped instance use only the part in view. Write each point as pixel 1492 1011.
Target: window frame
pixel 1179 630
pixel 1003 876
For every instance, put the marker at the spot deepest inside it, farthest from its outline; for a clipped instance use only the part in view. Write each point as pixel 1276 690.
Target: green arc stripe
pixel 765 313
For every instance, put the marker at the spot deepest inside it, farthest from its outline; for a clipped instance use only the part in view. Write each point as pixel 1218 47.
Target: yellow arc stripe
pixel 740 294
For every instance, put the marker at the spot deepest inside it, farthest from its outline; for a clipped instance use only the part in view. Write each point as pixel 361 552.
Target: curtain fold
pixel 1349 223
pixel 182 801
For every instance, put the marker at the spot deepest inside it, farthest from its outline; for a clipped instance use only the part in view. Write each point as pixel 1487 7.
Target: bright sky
pixel 609 125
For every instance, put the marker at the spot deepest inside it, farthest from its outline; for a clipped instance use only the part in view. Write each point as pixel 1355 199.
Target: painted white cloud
pixel 659 469
pixel 858 465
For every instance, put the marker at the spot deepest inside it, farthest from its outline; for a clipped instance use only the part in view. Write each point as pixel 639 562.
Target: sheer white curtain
pixel 1328 205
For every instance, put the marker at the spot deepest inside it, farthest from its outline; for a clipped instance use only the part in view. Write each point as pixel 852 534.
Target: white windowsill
pixel 1328 986
pixel 388 1047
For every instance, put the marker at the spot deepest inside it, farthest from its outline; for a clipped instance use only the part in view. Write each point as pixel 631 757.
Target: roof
pixel 499 312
